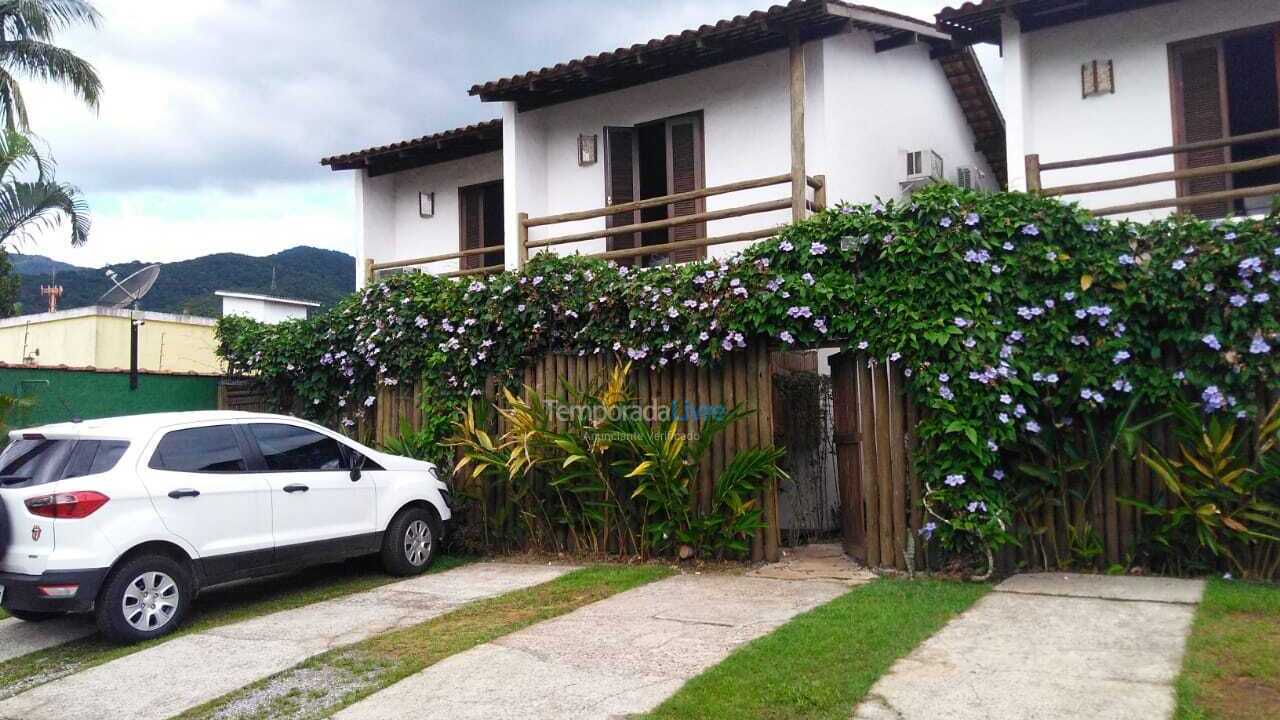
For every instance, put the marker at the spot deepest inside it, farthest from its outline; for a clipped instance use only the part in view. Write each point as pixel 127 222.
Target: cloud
pixel 237 100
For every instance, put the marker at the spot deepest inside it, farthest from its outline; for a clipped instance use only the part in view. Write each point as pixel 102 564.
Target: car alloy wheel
pixel 150 601
pixel 417 542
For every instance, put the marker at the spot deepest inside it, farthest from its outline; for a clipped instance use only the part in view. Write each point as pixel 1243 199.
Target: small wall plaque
pixel 1097 78
pixel 587 150
pixel 426 204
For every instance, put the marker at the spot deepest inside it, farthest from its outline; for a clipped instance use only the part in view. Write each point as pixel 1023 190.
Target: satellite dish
pixel 130 290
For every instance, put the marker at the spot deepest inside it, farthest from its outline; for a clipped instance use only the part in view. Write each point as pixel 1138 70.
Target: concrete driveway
pixel 171 677
pixel 622 655
pixel 1048 647
pixel 18 638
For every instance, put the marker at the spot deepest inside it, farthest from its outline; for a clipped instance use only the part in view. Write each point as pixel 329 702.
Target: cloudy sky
pixel 215 113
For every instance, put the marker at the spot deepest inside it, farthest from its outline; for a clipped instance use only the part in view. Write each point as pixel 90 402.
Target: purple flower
pixel 962 322
pixel 817 249
pixel 972 219
pixel 945 222
pixel 1213 399
pixel 998 474
pixel 786 246
pixel 1261 298
pixel 1179 264
pixel 945 393
pixel 786 337
pixel 1008 246
pixel 955 480
pixel 928 529
pixel 1122 385
pixel 1259 346
pixel 1126 259
pixel 976 505
pixel 1120 356
pixel 1212 341
pixel 1238 300
pixel 1032 426
pixel 1030 229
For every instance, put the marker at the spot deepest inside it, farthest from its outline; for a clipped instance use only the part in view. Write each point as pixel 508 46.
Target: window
pixel 33 461
pixel 204 449
pixel 91 457
pixel 481 224
pixel 290 448
pixel 651 160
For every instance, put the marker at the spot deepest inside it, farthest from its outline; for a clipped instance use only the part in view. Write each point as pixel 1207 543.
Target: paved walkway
pixel 18 638
pixel 1048 647
pixel 164 680
pixel 622 655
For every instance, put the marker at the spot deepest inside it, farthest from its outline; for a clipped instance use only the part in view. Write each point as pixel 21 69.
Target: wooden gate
pixel 875 440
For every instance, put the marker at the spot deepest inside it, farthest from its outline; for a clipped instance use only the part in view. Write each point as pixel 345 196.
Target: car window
pixel 204 449
pixel 292 448
pixel 91 457
pixel 33 461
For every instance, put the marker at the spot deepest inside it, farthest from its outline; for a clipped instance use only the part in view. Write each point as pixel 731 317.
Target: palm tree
pixel 31 198
pixel 27 28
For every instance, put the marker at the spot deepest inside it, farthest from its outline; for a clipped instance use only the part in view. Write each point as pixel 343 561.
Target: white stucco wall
pixel 878 107
pixel 263 310
pixel 1060 125
pixel 391 224
pixel 863 112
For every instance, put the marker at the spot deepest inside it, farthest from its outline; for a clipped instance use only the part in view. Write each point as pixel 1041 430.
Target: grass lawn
pixel 216 607
pixel 1232 667
pixel 823 662
pixel 329 682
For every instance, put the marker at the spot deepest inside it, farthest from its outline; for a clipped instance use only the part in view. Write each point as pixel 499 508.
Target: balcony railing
pixel 816 183
pixel 1035 170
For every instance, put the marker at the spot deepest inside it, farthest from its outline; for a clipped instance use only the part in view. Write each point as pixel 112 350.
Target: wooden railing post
pixel 820 193
pixel 798 176
pixel 522 239
pixel 1033 173
pixel 368 271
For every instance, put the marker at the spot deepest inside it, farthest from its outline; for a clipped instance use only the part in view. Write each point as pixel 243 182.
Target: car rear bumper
pixel 23 592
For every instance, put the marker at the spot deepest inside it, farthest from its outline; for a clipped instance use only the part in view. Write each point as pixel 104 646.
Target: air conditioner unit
pixel 922 166
pixel 964 177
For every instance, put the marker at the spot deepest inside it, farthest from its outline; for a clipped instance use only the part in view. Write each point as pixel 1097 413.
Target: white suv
pixel 131 516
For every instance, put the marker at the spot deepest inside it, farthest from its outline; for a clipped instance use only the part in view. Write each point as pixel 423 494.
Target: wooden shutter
pixel 493 228
pixel 471 202
pixel 684 173
pixel 1202 115
pixel 622 182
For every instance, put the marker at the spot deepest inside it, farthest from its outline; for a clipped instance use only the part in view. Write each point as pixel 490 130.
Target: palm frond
pixel 28 206
pixel 42 61
pixel 12 105
pixel 40 19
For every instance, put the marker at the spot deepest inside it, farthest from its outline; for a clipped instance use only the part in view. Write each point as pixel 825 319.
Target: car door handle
pixel 183 493
pixel 296 488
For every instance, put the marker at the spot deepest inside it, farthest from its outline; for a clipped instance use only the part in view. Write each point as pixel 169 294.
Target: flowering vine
pixel 1012 316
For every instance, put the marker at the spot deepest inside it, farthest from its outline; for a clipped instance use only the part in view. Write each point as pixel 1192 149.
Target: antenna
pixel 127 293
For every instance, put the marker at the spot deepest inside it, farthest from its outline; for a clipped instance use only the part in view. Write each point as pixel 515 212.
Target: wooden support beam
pixel 1033 173
pixel 893 42
pixel 798 176
pixel 522 239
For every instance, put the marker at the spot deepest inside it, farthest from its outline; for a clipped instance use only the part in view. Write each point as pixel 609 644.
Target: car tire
pixel 34 616
pixel 143 598
pixel 410 544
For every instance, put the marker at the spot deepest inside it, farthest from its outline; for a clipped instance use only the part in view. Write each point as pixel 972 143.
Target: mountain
pixel 39 265
pixel 187 286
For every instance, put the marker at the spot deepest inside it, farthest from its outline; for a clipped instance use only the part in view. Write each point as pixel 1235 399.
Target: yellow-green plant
pixel 1222 502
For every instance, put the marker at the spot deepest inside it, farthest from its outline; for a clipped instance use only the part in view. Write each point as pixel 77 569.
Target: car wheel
pixel 35 616
pixel 144 598
pixel 410 543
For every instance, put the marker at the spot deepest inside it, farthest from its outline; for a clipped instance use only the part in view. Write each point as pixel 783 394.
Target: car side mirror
pixel 357 464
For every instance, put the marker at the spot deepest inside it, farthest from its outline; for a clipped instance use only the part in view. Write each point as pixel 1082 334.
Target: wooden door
pixel 481 223
pixel 622 182
pixel 844 400
pixel 685 174
pixel 1200 113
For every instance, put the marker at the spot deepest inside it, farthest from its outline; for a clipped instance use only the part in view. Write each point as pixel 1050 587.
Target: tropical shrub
pixel 1013 317
pixel 1221 499
pixel 604 478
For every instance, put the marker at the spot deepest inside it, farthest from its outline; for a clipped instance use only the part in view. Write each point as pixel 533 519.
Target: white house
pixel 749 123
pixel 264 308
pixel 1090 78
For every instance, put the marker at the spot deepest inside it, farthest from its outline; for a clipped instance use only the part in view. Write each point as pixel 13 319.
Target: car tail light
pixel 58 591
pixel 67 505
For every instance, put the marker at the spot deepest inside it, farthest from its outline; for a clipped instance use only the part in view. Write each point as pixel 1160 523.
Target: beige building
pixel 98 337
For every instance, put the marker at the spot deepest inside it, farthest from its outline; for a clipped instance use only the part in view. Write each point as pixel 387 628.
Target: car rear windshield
pixel 36 461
